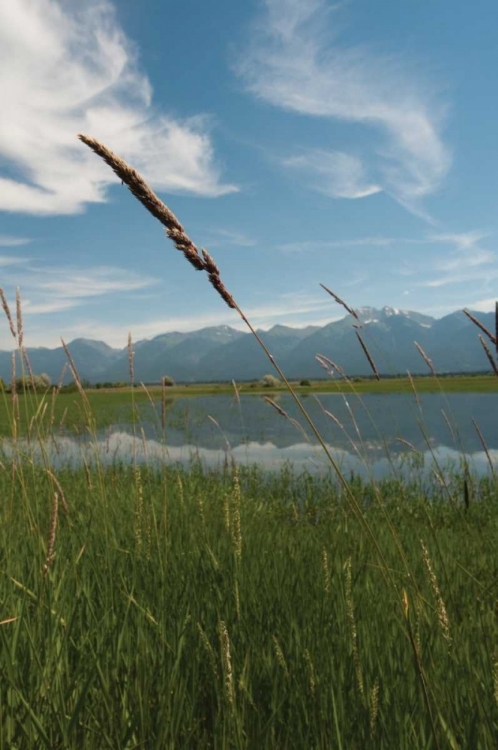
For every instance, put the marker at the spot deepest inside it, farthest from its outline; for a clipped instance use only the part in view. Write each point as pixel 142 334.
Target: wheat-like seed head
pixel 20 332
pixel 139 504
pixel 311 672
pixel 441 608
pixel 280 655
pixel 137 185
pixel 326 571
pixel 408 444
pixel 341 302
pixel 483 328
pixel 489 355
pixel 72 368
pixel 227 662
pixel 330 366
pixel 374 707
pixel 50 556
pixel 236 522
pixel 131 357
pixel 59 489
pixel 7 312
pixel 277 407
pixel 368 355
pixel 414 390
pixel 226 510
pixel 428 361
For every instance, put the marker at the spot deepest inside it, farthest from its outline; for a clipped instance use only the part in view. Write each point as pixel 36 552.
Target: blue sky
pixel 299 141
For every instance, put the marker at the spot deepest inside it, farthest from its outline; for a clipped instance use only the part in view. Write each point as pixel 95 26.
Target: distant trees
pixel 33 383
pixel 269 381
pixel 108 384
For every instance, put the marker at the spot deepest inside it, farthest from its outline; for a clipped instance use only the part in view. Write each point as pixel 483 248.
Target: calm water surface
pixel 371 435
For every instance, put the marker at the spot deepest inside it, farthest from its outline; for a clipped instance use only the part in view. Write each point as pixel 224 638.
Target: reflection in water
pixel 373 437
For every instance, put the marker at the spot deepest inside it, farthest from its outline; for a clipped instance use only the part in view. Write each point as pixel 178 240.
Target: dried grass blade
pixel 277 407
pixel 7 312
pixel 330 366
pixel 496 325
pixel 341 302
pixel 483 328
pixel 489 355
pixel 368 355
pixel 137 185
pixel 428 361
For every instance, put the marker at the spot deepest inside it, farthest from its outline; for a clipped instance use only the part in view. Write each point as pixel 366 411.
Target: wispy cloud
pixel 483 305
pixel 334 173
pixel 48 290
pixel 462 243
pixel 68 67
pixel 227 237
pixel 295 61
pixel 307 245
pixel 467 261
pixel 460 240
pixel 7 240
pixel 11 260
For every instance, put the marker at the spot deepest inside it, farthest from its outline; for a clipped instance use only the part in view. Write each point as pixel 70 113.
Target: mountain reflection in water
pixel 372 436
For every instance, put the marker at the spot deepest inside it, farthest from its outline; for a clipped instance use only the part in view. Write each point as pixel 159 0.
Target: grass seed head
pixel 7 312
pixel 139 188
pixel 50 556
pixel 441 608
pixel 227 662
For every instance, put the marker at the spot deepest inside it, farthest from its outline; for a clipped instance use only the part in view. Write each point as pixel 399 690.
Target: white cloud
pixel 334 173
pixel 296 62
pixel 227 237
pixel 467 261
pixel 307 245
pixel 7 240
pixel 11 260
pixel 76 284
pixel 47 290
pixel 460 240
pixel 67 67
pixel 482 305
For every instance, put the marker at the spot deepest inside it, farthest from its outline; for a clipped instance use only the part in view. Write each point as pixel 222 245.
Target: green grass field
pixel 447 384
pixel 68 411
pixel 226 610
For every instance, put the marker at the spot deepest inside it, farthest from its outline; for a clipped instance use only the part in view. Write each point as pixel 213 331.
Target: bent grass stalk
pixel 175 231
pixel 202 261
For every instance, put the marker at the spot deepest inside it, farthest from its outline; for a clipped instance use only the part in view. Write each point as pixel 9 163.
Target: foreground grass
pixel 212 610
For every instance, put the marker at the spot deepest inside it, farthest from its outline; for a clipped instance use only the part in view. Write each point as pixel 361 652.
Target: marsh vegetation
pixel 145 604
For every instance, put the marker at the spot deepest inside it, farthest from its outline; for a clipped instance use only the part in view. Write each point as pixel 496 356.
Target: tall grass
pixel 243 610
pixel 146 606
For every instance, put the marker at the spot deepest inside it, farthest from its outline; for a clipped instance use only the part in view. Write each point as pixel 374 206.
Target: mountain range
pixel 222 353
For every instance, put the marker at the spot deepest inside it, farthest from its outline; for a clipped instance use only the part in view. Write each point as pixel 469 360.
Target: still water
pixel 371 435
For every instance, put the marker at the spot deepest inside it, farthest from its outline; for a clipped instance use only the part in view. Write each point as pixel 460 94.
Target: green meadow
pixel 67 410
pixel 169 608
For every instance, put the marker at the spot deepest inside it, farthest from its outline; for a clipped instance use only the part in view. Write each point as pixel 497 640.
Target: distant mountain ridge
pixel 221 353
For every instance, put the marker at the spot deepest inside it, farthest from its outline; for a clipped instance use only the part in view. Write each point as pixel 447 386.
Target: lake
pixel 370 435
